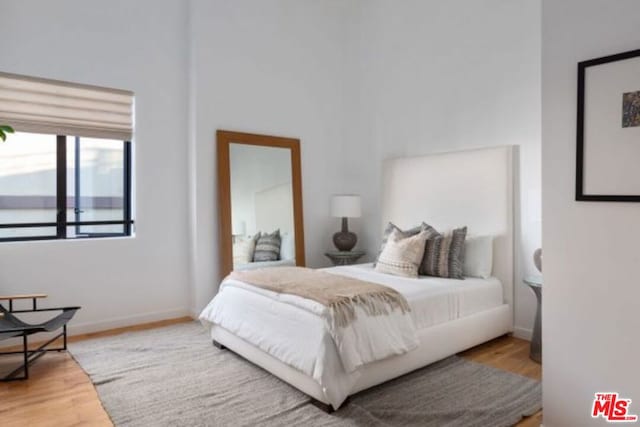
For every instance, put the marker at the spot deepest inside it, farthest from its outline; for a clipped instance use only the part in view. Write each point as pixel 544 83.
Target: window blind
pixel 31 104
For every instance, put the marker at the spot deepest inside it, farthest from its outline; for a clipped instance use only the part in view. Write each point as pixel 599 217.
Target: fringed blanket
pixel 339 293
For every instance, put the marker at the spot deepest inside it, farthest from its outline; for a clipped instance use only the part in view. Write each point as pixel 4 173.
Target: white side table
pixel 535 283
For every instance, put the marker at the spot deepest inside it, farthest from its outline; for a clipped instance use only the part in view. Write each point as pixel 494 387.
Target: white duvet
pixel 296 330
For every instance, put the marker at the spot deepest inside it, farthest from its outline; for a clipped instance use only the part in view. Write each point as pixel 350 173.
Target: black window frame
pixel 61 222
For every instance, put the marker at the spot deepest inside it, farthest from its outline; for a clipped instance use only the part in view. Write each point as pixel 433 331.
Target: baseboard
pixel 121 322
pixel 105 325
pixel 522 333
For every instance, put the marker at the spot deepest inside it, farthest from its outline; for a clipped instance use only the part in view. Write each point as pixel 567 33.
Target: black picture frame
pixel 580 131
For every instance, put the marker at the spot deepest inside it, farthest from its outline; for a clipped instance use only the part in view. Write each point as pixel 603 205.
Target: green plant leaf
pixel 3 136
pixel 6 128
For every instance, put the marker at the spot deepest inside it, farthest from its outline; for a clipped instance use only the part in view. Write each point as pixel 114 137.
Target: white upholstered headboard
pixel 449 190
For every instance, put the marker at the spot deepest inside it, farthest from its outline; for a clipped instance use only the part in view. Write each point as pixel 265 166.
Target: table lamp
pixel 345 206
pixel 238 229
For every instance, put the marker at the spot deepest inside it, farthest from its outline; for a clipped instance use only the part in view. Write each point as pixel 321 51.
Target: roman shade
pixel 31 104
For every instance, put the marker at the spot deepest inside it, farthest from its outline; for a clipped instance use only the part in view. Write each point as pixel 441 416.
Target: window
pixel 60 187
pixel 66 173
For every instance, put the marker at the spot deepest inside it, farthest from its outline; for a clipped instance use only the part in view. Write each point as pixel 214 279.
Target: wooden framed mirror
pixel 260 200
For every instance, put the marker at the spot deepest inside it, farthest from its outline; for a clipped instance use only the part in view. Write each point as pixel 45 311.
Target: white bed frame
pixel 473 188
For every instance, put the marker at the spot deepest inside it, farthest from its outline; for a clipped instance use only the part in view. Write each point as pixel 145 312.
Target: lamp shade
pixel 239 228
pixel 345 206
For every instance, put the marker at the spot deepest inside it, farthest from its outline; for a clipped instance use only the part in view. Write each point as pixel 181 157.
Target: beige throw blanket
pixel 339 293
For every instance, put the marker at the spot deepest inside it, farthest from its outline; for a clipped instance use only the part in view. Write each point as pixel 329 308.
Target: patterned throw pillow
pixel 391 227
pixel 401 255
pixel 243 250
pixel 267 247
pixel 444 255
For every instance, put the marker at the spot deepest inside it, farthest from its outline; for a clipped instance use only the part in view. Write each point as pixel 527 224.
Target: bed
pixel 449 315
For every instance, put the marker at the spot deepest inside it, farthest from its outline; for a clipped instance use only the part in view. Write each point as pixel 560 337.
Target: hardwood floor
pixel 60 394
pixel 510 354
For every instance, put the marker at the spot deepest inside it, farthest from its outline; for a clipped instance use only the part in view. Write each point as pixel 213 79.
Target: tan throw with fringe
pixel 340 294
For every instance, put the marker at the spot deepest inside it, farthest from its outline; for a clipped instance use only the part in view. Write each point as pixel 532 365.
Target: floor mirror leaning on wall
pixel 260 200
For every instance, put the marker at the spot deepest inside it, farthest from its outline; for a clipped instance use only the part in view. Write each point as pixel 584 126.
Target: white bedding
pixel 294 330
pixel 434 300
pixel 264 264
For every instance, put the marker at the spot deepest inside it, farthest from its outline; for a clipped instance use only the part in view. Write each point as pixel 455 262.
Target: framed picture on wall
pixel 608 129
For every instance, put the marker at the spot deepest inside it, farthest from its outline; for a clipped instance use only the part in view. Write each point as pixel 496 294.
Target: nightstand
pixel 535 283
pixel 344 257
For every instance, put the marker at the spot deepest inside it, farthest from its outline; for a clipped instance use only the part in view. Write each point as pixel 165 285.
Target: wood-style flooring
pixel 60 394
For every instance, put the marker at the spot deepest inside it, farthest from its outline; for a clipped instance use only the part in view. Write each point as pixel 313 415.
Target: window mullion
pixel 127 188
pixel 76 191
pixel 61 187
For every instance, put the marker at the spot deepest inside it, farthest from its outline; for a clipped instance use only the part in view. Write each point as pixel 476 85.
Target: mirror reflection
pixel 262 208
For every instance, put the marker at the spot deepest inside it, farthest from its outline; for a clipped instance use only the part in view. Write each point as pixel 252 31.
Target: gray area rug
pixel 173 376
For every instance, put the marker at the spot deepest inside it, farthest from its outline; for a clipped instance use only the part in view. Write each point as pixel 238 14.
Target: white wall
pixel 272 67
pixel 357 81
pixel 591 293
pixel 429 76
pixel 138 46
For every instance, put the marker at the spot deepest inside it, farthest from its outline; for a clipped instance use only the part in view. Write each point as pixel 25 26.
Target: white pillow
pixel 288 246
pixel 478 256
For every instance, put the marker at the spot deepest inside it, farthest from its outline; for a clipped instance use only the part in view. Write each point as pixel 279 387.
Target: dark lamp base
pixel 345 240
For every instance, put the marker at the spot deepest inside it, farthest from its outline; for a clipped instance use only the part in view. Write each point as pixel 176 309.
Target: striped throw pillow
pixel 444 255
pixel 267 247
pixel 401 255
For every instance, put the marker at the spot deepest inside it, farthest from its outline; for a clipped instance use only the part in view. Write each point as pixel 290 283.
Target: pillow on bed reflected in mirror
pixel 267 247
pixel 288 246
pixel 243 249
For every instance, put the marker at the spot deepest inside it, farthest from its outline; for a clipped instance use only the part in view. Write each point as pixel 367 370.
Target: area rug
pixel 173 376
